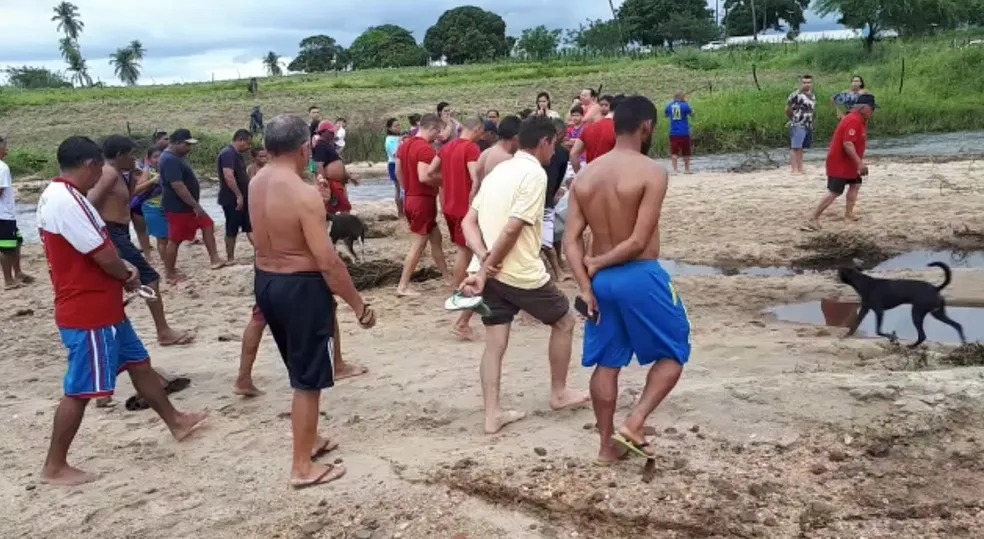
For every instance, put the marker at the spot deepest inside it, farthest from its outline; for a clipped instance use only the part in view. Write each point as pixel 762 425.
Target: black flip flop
pixel 137 402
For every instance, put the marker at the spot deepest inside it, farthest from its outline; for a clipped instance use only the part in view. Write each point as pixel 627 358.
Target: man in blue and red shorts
pixel 89 279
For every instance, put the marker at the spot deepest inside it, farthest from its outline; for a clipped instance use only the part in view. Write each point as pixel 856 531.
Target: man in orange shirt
pixel 597 138
pixel 413 160
pixel 457 165
pixel 845 160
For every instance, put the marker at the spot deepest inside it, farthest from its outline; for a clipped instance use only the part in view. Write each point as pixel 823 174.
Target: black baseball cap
pixel 182 135
pixel 866 99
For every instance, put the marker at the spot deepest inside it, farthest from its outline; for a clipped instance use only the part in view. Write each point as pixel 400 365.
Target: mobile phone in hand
pixel 581 307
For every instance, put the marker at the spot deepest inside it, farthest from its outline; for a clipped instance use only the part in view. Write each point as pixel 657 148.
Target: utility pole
pixel 755 36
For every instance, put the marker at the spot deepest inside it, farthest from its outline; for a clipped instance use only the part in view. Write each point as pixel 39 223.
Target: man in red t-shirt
pixel 596 138
pixel 457 165
pixel 845 160
pixel 420 188
pixel 89 278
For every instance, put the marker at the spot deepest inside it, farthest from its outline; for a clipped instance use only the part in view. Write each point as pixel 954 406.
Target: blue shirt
pixel 679 113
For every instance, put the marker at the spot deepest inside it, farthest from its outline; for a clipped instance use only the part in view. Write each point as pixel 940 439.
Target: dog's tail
pixel 947 275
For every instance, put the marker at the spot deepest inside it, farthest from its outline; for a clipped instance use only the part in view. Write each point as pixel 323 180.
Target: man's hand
pixel 199 211
pixel 367 318
pixel 863 170
pixel 590 300
pixel 591 263
pixel 239 202
pixel 473 285
pixel 133 279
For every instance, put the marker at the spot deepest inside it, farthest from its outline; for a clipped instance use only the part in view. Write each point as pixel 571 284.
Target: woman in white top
pixel 340 136
pixel 543 107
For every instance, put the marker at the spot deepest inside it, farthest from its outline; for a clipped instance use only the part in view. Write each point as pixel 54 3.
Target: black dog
pixel 880 295
pixel 349 228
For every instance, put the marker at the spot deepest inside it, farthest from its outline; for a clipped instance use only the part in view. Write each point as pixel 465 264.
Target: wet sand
pixel 775 430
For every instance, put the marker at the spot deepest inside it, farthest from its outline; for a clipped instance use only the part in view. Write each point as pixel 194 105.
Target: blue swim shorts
pixel 156 221
pixel 800 137
pixel 640 314
pixel 97 356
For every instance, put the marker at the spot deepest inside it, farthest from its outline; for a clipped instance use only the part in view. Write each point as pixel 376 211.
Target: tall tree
pixel 68 47
pixel 779 15
pixel 904 16
pixel 598 36
pixel 319 54
pixel 467 34
pixel 69 20
pixel 272 64
pixel 538 43
pixel 126 62
pixel 387 45
pixel 659 23
pixel 32 78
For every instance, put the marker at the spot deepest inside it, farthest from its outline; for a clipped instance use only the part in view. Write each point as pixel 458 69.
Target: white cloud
pixel 194 40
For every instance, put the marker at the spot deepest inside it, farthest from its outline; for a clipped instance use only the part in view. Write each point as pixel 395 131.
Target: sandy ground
pixel 776 429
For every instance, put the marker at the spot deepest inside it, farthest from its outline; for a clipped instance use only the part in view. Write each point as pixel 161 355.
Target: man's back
pixel 278 200
pixel 679 114
pixel 457 182
pixel 490 159
pixel 610 194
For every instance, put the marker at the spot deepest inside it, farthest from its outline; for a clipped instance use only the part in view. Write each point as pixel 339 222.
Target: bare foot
pixel 218 265
pixel 463 333
pixel 852 217
pixel 812 225
pixel 349 370
pixel 66 477
pixel 176 278
pixel 406 293
pixel 246 388
pixel 170 337
pixel 568 399
pixel 495 423
pixel 610 453
pixel 13 286
pixel 317 475
pixel 322 447
pixel 187 424
pixel 688 172
pixel 105 402
pixel 565 277
pixel 25 278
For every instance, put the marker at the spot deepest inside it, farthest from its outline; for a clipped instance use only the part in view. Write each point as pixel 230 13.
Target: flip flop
pixel 633 447
pixel 325 448
pixel 320 480
pixel 137 402
pixel 461 302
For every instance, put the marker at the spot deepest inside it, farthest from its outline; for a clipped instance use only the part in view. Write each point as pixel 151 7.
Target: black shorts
pixel 300 311
pixel 237 221
pixel 547 303
pixel 10 236
pixel 837 185
pixel 119 234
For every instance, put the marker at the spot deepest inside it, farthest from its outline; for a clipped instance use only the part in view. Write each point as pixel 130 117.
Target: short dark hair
pixel 632 113
pixel 312 107
pixel 524 114
pixel 431 121
pixel 390 122
pixel 535 129
pixel 442 105
pixel 616 101
pixel 117 145
pixel 414 119
pixel 73 152
pixel 340 120
pixel 577 109
pixel 242 134
pixel 508 127
pixel 490 111
pixel 860 78
pixel 3 141
pixel 158 135
pixel 607 98
pixel 806 76
pixel 594 93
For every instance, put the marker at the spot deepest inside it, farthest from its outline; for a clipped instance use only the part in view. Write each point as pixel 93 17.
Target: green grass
pixel 941 92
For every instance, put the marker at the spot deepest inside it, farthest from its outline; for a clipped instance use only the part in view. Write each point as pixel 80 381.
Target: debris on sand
pixel 831 250
pixel 967 355
pixel 755 162
pixel 377 273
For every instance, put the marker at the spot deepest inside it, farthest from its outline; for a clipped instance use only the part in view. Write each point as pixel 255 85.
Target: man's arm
pixel 171 174
pixel 789 106
pixel 646 224
pixel 473 174
pixel 594 115
pixel 100 192
pixel 184 194
pixel 147 182
pixel 226 161
pixel 473 234
pixel 574 227
pixel 852 152
pixel 503 244
pixel 431 173
pixel 576 152
pixel 526 207
pixel 315 229
pixel 6 180
pixel 77 228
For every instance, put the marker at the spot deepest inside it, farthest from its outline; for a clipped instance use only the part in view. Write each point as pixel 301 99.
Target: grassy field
pixel 940 91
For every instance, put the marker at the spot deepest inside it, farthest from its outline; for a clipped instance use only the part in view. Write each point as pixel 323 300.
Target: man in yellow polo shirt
pixel 503 229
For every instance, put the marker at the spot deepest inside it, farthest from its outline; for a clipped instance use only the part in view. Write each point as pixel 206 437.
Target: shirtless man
pixel 589 102
pixel 503 228
pixel 111 196
pixel 503 150
pixel 413 160
pixel 297 271
pixel 620 198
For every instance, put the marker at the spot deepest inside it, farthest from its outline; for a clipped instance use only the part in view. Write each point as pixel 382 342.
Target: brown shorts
pixel 547 303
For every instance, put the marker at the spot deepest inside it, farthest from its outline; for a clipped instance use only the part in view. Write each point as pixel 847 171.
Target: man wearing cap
pixel 489 136
pixel 185 216
pixel 845 160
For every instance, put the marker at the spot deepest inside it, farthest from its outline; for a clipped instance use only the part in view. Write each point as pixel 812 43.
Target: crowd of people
pixel 520 196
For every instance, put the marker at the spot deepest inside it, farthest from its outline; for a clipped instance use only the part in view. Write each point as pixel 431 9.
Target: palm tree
pixel 126 63
pixel 272 63
pixel 68 19
pixel 79 70
pixel 68 47
pixel 137 48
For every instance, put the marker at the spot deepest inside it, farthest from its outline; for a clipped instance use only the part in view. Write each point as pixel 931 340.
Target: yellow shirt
pixel 515 188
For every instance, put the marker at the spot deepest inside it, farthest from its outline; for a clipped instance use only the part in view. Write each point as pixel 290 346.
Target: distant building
pixel 806 37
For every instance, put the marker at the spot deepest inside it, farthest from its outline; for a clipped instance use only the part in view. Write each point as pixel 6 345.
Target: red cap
pixel 326 126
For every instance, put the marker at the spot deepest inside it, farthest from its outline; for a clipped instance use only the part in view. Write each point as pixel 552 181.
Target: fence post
pixel 756 78
pixel 902 76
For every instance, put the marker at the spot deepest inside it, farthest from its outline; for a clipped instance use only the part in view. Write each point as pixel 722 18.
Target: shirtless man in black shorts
pixel 297 273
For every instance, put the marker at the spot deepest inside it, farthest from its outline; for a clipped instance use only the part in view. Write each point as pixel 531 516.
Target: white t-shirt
pixel 8 209
pixel 340 138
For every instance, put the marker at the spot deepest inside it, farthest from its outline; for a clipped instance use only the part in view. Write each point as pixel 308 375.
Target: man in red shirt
pixel 596 138
pixel 420 188
pixel 845 160
pixel 89 278
pixel 457 165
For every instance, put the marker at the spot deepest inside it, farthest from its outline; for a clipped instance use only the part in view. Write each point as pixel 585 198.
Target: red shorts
pixel 337 200
pixel 421 213
pixel 183 226
pixel 454 229
pixel 680 145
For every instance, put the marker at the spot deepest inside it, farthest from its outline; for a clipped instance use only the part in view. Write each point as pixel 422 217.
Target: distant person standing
pixel 800 109
pixel 556 172
pixel 260 158
pixel 503 150
pixel 844 101
pixel 489 136
pixel 414 121
pixel 160 141
pixel 393 139
pixel 314 118
pixel 340 133
pixel 845 160
pixel 543 107
pixel 149 188
pixel 493 116
pixel 233 191
pixel 452 129
pixel 679 112
pixel 589 102
pixel 10 236
pixel 185 215
pixel 597 138
pixel 256 120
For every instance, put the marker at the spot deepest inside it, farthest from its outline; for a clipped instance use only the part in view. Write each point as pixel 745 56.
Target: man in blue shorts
pixel 630 297
pixel 800 108
pixel 89 279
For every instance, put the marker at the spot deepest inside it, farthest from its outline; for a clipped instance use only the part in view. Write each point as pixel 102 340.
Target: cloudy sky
pixel 192 40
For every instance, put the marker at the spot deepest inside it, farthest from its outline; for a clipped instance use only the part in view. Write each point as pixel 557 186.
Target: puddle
pixel 683 269
pixel 836 313
pixel 917 260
